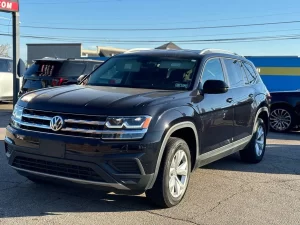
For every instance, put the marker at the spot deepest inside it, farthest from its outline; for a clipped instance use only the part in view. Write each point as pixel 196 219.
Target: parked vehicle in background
pixel 51 72
pixel 142 122
pixel 285 110
pixel 6 79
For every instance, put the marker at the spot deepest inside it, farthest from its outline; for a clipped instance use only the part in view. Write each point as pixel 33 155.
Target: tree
pixel 4 49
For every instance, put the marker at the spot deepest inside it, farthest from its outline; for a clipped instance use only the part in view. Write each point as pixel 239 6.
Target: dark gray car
pixel 50 72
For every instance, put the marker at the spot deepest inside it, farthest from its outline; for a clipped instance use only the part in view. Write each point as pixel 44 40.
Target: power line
pixel 74 2
pixel 172 37
pixel 181 22
pixel 159 29
pixel 202 41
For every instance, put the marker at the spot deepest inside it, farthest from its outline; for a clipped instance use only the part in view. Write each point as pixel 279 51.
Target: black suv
pixel 285 111
pixel 142 122
pixel 50 72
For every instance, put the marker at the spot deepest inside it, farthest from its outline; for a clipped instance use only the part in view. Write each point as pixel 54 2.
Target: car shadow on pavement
pixel 32 199
pixel 278 159
pixel 290 136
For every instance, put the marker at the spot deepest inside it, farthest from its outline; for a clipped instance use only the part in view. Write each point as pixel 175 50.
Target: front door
pixel 216 111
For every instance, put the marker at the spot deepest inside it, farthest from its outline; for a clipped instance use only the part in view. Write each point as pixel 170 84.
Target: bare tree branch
pixel 4 49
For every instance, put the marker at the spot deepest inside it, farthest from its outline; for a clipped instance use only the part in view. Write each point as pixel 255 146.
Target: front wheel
pixel 174 174
pixel 255 150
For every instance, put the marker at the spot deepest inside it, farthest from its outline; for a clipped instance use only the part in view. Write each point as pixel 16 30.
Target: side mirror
pixel 215 87
pixel 80 78
pixel 21 68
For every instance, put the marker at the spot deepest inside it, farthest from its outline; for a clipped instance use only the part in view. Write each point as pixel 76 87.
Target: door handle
pixel 229 100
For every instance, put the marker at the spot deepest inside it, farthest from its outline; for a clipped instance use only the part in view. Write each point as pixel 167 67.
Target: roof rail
pixel 215 50
pixel 137 50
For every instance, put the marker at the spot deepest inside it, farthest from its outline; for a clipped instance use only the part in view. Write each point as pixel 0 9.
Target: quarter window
pixel 250 72
pixel 213 71
pixel 235 73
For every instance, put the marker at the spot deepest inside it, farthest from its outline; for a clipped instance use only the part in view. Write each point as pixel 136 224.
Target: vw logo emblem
pixel 56 123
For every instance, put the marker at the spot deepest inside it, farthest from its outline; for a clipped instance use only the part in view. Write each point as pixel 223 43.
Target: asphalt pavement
pixel 224 192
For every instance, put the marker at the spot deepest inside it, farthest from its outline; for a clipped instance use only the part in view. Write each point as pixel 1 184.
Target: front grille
pixel 76 125
pixel 125 166
pixel 58 169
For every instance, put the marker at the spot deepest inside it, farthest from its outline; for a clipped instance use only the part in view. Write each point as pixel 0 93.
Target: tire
pixel 254 152
pixel 161 194
pixel 284 124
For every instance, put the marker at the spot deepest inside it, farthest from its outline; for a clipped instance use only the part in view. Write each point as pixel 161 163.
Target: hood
pixel 94 100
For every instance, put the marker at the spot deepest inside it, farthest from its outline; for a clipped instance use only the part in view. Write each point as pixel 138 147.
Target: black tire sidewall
pixel 178 145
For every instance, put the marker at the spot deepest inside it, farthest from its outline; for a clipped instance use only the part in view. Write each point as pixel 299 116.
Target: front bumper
pixel 113 166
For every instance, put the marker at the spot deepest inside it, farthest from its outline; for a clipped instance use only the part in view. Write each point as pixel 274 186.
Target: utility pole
pixel 16 55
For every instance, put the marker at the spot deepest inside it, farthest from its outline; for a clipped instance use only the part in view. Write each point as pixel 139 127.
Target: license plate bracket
pixel 52 148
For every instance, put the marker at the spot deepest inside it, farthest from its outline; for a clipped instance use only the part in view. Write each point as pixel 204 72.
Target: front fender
pixel 171 121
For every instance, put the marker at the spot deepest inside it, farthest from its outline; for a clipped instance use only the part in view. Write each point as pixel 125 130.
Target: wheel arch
pixel 172 130
pixel 263 113
pixel 282 104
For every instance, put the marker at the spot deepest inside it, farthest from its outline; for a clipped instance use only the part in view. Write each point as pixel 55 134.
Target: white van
pixel 6 79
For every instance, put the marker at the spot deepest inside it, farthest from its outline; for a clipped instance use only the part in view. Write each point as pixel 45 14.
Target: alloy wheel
pixel 260 141
pixel 178 174
pixel 280 119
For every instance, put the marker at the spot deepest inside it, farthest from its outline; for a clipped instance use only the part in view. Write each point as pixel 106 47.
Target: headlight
pixel 137 122
pixel 129 128
pixel 17 113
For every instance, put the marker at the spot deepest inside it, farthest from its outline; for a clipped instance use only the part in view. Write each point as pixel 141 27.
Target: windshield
pixel 5 65
pixel 146 72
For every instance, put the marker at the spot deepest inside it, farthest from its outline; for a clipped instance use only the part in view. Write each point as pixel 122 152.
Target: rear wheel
pixel 281 119
pixel 173 177
pixel 255 150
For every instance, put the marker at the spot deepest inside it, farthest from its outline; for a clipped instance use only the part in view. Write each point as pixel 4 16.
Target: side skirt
pixel 222 152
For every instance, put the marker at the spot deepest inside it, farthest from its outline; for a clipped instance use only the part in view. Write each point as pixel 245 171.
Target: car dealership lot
pixel 225 192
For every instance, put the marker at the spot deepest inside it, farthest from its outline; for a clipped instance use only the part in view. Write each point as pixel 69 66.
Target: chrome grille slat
pixel 37 117
pixel 35 125
pixel 85 131
pixel 87 122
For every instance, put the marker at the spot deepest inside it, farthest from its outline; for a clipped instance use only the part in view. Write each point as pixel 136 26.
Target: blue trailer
pixel 279 73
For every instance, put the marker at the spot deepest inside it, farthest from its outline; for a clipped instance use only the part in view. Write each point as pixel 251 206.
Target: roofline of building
pixel 54 44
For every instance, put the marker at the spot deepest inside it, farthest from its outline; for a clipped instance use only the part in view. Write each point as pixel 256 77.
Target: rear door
pixel 243 98
pixel 6 79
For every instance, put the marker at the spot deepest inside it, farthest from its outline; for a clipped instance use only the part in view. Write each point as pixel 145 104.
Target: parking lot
pixel 225 192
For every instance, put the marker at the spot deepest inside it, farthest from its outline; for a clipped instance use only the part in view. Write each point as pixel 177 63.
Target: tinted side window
pixel 235 73
pixel 250 72
pixel 95 66
pixel 4 65
pixel 213 71
pixel 72 69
